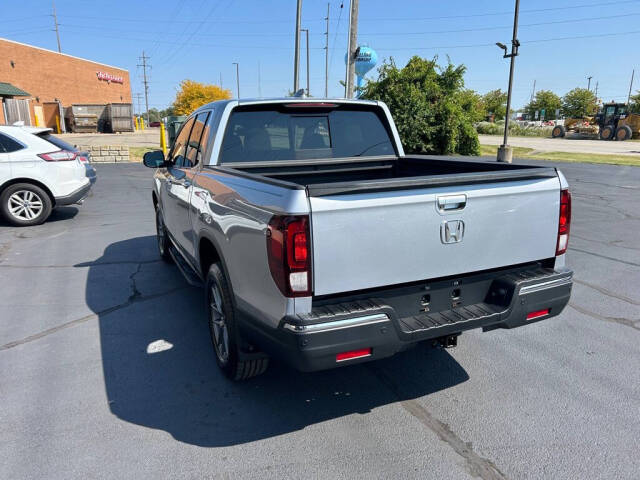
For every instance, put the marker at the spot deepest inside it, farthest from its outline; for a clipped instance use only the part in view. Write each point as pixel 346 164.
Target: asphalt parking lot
pixel 106 368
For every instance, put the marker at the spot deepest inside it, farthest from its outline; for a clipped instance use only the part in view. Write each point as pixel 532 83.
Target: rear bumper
pixel 76 196
pixel 311 342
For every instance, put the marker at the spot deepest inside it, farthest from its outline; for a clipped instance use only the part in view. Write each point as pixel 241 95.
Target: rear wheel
pixel 225 336
pixel 624 133
pixel 558 131
pixel 25 204
pixel 162 237
pixel 606 132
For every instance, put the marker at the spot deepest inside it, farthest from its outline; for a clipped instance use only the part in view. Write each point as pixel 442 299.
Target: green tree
pixel 579 102
pixel 473 103
pixel 545 100
pixel 495 102
pixel 634 106
pixel 429 106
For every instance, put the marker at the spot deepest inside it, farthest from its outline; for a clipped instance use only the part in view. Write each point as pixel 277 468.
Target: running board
pixel 187 272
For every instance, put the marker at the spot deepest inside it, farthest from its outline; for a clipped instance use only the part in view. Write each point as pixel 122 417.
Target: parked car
pixel 319 241
pixel 39 172
pixel 154 124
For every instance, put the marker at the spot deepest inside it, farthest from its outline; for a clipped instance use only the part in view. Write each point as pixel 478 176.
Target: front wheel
pixel 606 133
pixel 623 133
pixel 25 204
pixel 225 337
pixel 162 237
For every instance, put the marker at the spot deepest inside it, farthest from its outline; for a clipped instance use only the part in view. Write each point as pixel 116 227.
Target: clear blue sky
pixel 199 39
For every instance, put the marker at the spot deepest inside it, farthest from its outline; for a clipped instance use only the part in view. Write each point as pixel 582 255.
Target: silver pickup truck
pixel 320 242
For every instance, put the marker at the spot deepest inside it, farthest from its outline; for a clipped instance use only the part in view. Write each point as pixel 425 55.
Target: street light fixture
pixel 505 152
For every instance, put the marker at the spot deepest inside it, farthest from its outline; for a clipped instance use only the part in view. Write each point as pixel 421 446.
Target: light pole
pixel 589 82
pixel 306 31
pixel 296 53
pixel 237 77
pixel 505 153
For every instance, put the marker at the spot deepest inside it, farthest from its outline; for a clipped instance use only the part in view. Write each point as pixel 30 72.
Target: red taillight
pixel 288 249
pixel 537 314
pixel 59 156
pixel 564 222
pixel 363 352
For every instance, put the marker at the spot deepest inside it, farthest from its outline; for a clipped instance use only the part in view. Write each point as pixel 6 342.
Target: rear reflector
pixel 538 314
pixel 363 352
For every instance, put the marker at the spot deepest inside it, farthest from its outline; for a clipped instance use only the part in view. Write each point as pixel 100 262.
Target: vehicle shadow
pixel 160 372
pixel 57 214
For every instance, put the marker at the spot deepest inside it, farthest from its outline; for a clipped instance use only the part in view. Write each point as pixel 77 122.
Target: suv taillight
pixel 564 222
pixel 289 252
pixel 59 156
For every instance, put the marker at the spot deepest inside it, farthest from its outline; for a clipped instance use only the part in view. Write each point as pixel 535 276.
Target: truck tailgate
pixel 383 238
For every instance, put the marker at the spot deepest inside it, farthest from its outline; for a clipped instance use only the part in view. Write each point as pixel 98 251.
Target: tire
pixel 162 238
pixel 606 132
pixel 624 133
pixel 225 337
pixel 25 204
pixel 558 131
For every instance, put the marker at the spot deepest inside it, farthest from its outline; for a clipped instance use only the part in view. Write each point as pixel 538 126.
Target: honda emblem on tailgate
pixel 452 231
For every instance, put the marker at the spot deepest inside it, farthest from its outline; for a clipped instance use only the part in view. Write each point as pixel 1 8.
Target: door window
pixel 197 141
pixel 176 156
pixel 8 144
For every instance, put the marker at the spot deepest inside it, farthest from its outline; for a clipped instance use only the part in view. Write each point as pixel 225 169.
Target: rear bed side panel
pixel 235 211
pixel 374 239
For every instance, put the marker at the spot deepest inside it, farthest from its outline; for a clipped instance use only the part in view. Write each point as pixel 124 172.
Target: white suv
pixel 39 172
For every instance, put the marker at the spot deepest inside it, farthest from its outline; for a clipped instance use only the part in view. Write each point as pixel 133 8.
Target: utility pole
pixel 221 80
pixel 55 24
pixel 326 56
pixel 630 86
pixel 296 54
pixel 306 30
pixel 504 151
pixel 144 66
pixel 237 77
pixel 353 45
pixel 596 91
pixel 138 97
pixel 259 86
pixel 589 83
pixel 533 92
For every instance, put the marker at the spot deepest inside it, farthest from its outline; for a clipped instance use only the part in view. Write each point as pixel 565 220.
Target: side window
pixel 197 140
pixel 179 147
pixel 8 144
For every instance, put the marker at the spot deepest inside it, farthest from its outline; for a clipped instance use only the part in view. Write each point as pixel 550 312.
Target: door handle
pixel 451 203
pixel 182 183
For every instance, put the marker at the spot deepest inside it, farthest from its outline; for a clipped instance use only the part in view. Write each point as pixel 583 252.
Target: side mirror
pixel 153 159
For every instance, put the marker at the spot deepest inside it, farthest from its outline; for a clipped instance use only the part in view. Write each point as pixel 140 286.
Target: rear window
pixel 61 144
pixel 260 134
pixel 8 144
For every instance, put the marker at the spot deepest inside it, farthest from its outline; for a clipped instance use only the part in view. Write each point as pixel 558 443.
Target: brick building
pixel 40 83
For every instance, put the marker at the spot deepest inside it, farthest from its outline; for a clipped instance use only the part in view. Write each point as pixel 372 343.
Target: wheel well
pixel 208 255
pixel 13 181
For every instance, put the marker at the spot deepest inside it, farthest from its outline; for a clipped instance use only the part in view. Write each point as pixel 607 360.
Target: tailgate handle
pixel 451 203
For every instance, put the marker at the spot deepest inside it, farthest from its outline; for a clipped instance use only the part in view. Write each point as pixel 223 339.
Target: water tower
pixel 366 59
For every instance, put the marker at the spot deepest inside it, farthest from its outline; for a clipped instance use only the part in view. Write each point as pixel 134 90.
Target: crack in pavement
pixel 574 249
pixel 620 320
pixel 610 243
pixel 606 292
pixel 476 465
pixel 135 297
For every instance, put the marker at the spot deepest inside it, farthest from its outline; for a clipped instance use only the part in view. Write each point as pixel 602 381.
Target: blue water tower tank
pixel 366 59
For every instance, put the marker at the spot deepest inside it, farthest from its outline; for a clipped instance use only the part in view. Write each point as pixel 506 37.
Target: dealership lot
pixel 106 368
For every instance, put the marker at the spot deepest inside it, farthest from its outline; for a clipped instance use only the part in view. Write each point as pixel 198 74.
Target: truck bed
pixel 336 176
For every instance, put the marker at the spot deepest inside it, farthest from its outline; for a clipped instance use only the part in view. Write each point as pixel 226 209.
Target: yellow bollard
pixel 163 139
pixel 58 124
pixel 142 124
pixel 137 123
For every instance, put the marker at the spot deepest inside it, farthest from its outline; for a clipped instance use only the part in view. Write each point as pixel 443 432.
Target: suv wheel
pixel 161 236
pixel 25 204
pixel 226 339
